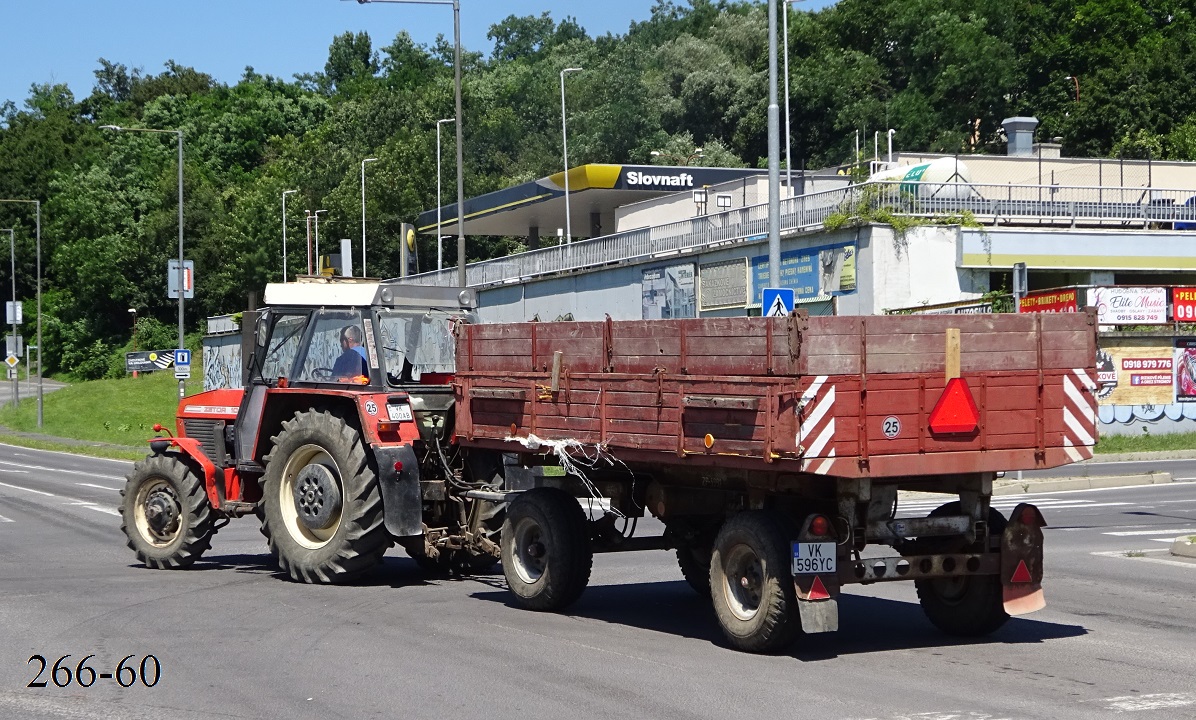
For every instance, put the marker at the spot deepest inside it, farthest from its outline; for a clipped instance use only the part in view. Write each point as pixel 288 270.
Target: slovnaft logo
pixel 642 179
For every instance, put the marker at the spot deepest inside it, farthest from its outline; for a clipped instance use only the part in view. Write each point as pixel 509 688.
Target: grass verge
pixel 1145 443
pixel 118 413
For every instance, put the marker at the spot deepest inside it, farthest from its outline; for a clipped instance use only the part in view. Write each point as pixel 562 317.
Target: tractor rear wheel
pixel 322 514
pixel 165 513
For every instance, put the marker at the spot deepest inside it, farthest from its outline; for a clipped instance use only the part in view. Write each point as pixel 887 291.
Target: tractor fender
pixel 191 448
pixel 402 506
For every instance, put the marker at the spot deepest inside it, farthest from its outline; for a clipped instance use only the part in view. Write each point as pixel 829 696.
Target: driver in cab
pixel 352 362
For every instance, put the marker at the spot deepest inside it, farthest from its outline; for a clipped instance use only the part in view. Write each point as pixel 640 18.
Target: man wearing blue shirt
pixel 352 361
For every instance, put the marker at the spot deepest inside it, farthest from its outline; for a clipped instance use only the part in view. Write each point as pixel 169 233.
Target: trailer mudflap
pixel 815 568
pixel 1021 561
pixel 398 477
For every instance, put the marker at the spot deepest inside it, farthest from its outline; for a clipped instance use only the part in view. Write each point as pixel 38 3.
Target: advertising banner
pixel 1185 370
pixel 147 360
pixel 1129 305
pixel 1183 301
pixel 723 285
pixel 817 272
pixel 1135 373
pixel 668 292
pixel 1053 301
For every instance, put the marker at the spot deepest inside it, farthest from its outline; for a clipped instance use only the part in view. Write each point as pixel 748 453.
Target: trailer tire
pixel 694 562
pixel 165 513
pixel 322 452
pixel 968 606
pixel 752 585
pixel 546 554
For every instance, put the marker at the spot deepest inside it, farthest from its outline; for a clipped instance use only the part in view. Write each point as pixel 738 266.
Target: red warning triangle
pixel 1022 574
pixel 818 590
pixel 955 412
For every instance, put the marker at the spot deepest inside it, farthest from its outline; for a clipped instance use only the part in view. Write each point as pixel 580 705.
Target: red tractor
pixel 340 441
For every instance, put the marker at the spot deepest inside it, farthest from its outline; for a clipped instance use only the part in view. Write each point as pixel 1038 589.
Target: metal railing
pixel 993 204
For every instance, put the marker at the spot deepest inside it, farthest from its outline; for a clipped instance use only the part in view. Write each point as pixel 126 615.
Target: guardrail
pixel 995 204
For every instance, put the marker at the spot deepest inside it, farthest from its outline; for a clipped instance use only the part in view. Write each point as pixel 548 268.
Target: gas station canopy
pixel 538 208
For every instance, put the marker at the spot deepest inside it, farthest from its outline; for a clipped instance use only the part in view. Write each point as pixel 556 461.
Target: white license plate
pixel 814 558
pixel 399 412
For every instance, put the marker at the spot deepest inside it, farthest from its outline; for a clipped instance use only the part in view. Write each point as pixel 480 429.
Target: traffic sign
pixel 11 361
pixel 182 364
pixel 172 279
pixel 14 312
pixel 776 302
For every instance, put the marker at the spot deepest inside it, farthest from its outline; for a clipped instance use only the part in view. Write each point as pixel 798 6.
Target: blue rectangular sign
pixel 809 272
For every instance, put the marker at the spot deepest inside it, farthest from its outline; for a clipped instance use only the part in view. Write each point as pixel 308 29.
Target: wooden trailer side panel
pixel 847 396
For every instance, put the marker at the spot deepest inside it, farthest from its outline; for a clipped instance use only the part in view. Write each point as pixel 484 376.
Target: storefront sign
pixel 1129 305
pixel 1137 372
pixel 722 285
pixel 1183 301
pixel 1055 301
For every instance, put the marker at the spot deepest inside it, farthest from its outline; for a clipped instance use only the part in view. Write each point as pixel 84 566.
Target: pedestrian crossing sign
pixel 776 302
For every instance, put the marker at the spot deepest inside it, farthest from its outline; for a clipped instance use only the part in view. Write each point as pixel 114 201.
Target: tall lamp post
pixel 774 154
pixel 37 204
pixel 284 231
pixel 12 246
pixel 788 158
pixel 565 148
pixel 179 135
pixel 1075 80
pixel 319 264
pixel 439 254
pixel 460 144
pixel 363 162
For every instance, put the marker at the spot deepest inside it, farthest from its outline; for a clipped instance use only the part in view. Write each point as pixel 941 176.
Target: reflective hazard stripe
pixel 816 431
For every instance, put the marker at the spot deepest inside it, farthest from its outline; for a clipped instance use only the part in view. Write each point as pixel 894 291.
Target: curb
pixel 1013 487
pixel 1183 547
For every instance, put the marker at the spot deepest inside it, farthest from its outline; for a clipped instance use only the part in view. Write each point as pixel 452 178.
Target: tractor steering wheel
pixel 322 373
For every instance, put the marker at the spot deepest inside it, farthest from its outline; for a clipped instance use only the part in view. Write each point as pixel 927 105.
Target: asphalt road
pixel 233 639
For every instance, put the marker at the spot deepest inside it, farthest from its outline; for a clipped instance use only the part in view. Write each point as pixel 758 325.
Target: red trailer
pixel 773 450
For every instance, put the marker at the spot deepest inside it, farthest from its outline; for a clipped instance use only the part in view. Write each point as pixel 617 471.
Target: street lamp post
pixel 439 253
pixel 284 232
pixel 12 246
pixel 1075 80
pixel 319 264
pixel 37 204
pixel 133 311
pixel 774 155
pixel 363 162
pixel 788 158
pixel 565 148
pixel 460 143
pixel 179 135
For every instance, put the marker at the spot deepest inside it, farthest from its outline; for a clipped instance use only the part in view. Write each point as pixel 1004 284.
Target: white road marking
pixel 18 487
pixel 4 519
pixel 99 487
pixel 65 472
pixel 1153 701
pixel 64 454
pixel 1161 531
pixel 1121 555
pixel 108 510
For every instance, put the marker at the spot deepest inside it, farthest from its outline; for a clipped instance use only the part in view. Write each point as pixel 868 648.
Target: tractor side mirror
pixel 262 331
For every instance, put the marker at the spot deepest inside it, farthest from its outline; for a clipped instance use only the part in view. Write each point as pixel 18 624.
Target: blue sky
pixel 61 40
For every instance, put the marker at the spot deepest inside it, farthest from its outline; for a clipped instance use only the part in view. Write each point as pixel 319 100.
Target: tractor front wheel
pixel 322 502
pixel 165 513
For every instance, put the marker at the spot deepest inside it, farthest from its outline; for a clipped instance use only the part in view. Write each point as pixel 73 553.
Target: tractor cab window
pixel 337 351
pixel 418 346
pixel 280 350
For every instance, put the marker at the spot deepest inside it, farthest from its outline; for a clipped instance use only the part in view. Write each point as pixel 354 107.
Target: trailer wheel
pixel 967 606
pixel 546 555
pixel 752 585
pixel 165 513
pixel 322 504
pixel 694 562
